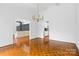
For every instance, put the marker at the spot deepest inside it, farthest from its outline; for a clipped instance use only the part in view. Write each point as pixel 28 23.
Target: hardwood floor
pixel 40 48
pixel 53 48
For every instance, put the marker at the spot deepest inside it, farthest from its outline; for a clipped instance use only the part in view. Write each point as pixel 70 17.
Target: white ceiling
pixel 42 6
pixel 32 6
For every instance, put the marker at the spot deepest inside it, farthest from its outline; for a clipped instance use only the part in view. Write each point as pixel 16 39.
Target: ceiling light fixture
pixel 37 17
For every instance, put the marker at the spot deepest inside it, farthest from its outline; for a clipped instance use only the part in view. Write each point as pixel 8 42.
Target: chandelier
pixel 37 17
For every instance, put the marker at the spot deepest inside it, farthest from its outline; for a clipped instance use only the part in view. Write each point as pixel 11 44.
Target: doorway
pixel 46 31
pixel 22 32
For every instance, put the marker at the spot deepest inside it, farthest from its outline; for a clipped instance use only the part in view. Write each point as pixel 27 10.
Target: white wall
pixel 8 15
pixel 40 29
pixel 6 26
pixel 62 22
pixel 34 29
pixel 77 15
